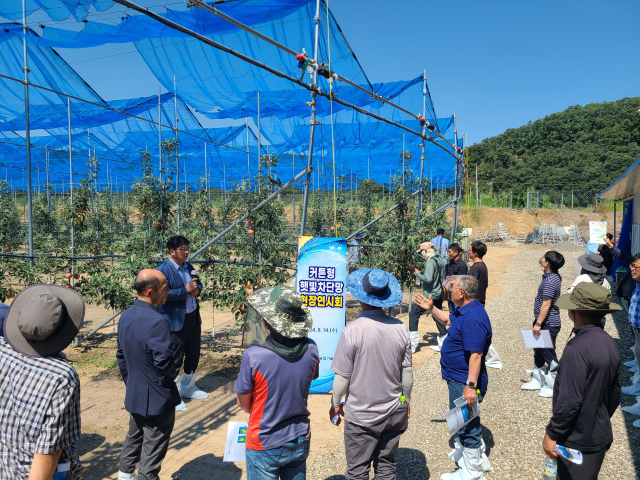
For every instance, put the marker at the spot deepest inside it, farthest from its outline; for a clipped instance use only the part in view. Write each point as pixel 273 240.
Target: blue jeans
pixel 62 476
pixel 288 462
pixel 471 434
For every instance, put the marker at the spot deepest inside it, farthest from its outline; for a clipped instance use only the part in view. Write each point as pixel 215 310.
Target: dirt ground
pixel 485 217
pixel 197 443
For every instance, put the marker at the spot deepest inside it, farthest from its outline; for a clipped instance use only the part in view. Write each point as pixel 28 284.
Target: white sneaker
pixel 127 476
pixel 187 387
pixel 182 407
pixel 415 341
pixel 470 466
pixel 536 381
pixel 440 339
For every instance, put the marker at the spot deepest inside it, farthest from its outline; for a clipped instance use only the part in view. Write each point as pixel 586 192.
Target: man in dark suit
pixel 146 363
pixel 181 309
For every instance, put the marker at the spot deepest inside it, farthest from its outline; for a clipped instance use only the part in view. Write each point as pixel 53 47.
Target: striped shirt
pixel 550 287
pixel 186 278
pixel 39 412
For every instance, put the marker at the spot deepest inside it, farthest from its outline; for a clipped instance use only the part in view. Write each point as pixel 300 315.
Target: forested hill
pixel 585 147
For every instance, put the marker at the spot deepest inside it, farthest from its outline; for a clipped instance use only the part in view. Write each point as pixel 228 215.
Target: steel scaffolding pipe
pixel 271 197
pixel 256 63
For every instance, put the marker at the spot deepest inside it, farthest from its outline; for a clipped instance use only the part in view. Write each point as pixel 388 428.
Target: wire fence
pixel 575 198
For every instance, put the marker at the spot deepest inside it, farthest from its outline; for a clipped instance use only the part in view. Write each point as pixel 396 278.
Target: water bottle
pixel 550 469
pixel 335 418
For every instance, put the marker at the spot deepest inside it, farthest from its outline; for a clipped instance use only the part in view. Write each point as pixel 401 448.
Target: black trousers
pixel 147 442
pixel 542 356
pixel 416 312
pixel 185 343
pixel 587 470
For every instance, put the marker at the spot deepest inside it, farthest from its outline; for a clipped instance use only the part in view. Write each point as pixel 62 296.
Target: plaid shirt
pixel 634 307
pixel 39 411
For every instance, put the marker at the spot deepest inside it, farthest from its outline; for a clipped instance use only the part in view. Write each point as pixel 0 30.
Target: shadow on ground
pixel 411 464
pixel 205 466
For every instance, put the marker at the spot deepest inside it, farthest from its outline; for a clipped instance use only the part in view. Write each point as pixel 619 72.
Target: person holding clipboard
pixel 547 317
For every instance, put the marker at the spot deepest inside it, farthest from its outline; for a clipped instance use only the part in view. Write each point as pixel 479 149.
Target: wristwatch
pixel 472 384
pixel 538 324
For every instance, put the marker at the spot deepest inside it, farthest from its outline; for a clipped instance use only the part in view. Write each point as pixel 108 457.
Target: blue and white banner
pixel 321 281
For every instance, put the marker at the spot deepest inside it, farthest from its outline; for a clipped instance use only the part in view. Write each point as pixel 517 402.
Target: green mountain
pixel 582 147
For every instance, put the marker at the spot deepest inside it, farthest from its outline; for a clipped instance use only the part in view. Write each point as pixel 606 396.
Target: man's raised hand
pixel 423 302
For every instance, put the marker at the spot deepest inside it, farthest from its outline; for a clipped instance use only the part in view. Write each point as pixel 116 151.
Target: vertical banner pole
pixel 71 190
pixel 27 130
pixel 307 185
pixel 424 115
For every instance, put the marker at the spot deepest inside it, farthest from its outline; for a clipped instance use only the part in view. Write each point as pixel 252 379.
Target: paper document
pixel 536 341
pixel 597 232
pixel 460 416
pixel 570 454
pixel 234 449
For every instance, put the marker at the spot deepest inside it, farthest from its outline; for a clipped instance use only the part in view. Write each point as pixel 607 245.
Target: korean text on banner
pixel 321 280
pixel 597 232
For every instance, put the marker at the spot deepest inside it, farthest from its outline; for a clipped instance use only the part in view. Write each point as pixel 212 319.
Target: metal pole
pixel 28 129
pixel 48 182
pixel 383 214
pixel 309 168
pixel 244 217
pixel 160 160
pixel 403 160
pixel 454 219
pixel 431 190
pixel 293 187
pixel 259 139
pixel 476 184
pixel 614 222
pixel 71 188
pixel 175 108
pixel 424 113
pixel 206 175
pixel 246 121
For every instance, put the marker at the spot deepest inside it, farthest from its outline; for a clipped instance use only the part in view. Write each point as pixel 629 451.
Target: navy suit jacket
pixel 175 307
pixel 146 361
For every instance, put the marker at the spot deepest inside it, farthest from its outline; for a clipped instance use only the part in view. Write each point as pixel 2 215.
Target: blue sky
pixel 495 64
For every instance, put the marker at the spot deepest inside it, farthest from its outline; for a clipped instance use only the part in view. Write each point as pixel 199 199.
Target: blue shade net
pixel 216 85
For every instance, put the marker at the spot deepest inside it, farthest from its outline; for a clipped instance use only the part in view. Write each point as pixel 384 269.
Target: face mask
pixel 427 254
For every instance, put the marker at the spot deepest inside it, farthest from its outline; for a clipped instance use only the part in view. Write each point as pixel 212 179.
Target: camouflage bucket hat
pixel 282 308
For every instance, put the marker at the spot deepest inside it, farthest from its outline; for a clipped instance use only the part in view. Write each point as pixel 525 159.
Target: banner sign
pixel 597 232
pixel 321 281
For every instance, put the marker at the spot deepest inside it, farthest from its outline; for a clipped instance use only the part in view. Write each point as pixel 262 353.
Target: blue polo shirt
pixel 470 331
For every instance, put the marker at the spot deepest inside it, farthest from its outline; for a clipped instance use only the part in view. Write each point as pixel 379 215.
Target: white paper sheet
pixel 459 416
pixel 597 232
pixel 234 449
pixel 536 341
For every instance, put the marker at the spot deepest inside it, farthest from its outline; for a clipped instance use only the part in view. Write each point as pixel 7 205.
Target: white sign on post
pixel 597 232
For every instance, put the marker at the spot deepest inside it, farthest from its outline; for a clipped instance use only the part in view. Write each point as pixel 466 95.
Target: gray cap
pixel 44 319
pixel 283 309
